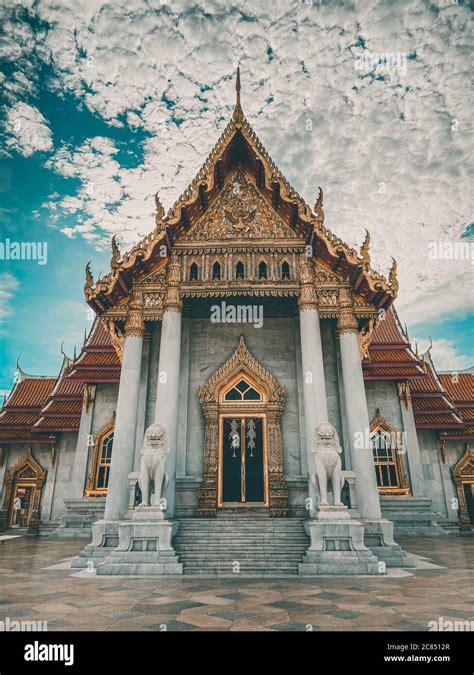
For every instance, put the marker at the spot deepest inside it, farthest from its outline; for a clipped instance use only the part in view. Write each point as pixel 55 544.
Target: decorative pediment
pixel 27 468
pixel 239 213
pixel 464 467
pixel 243 362
pixel 379 422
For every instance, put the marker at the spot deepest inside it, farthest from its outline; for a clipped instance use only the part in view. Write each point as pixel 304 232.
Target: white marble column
pixel 367 494
pixel 126 417
pixel 415 465
pixel 167 393
pixel 314 385
pixel 84 442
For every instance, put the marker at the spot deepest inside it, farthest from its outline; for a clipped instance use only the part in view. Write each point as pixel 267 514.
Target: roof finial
pixel 238 115
pixel 365 250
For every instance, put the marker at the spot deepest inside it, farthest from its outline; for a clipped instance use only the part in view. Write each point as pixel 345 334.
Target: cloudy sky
pixel 105 103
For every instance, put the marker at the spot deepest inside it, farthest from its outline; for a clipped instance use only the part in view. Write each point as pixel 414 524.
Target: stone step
pixel 261 545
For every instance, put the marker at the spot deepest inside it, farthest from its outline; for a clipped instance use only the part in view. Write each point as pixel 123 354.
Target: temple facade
pixel 239 325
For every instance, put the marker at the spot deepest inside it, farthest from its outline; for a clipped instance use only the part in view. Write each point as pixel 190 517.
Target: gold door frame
pixel 240 414
pixel 242 364
pixel 15 487
pixel 463 474
pixel 28 472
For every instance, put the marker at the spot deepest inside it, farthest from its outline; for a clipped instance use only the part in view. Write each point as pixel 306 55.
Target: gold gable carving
pixel 239 212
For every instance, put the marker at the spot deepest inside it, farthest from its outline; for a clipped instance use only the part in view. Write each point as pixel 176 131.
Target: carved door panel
pixel 243 460
pixel 469 496
pixel 21 506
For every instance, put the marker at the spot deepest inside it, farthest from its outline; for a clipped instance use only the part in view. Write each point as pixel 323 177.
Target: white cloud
pixel 444 354
pixel 9 284
pixel 27 130
pixel 391 154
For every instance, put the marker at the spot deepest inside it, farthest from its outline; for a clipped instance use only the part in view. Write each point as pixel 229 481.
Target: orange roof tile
pixel 30 392
pixel 460 386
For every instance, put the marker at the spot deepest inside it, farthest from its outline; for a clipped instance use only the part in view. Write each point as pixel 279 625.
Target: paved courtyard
pixel 31 590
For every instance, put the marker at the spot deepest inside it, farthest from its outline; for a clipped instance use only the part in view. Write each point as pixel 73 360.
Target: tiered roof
pixel 431 403
pixel 238 144
pixel 460 387
pixel 98 360
pixel 23 407
pixel 390 356
pixel 62 411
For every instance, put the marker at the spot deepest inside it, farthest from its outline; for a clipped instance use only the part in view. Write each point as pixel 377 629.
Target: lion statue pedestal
pixel 145 537
pixel 337 541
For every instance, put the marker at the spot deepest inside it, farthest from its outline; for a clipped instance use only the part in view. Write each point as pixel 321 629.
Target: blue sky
pixel 103 105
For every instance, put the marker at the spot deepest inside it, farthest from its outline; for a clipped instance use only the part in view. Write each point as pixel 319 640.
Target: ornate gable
pixel 239 213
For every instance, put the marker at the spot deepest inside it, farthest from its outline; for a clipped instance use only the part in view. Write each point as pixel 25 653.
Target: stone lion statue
pixel 152 467
pixel 327 463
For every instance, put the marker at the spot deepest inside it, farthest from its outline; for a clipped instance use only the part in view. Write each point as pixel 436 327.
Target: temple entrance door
pixel 243 444
pixel 21 506
pixel 22 495
pixel 469 497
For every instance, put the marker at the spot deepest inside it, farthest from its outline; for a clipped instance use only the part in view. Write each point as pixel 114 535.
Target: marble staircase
pixel 233 546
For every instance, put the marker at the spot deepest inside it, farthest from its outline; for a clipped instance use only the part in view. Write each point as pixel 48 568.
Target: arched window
pixel 193 272
pixel 386 449
pixel 100 459
pixel 242 391
pixel 104 459
pixel 285 270
pixel 239 270
pixel 262 270
pixel 216 271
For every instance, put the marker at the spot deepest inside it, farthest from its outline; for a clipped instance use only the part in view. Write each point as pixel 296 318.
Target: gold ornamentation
pixel 364 251
pixel 91 489
pixel 89 395
pixel 159 213
pixel 27 472
pixel 365 338
pixel 294 216
pixel 347 323
pixel 117 338
pixel 308 298
pixel 88 292
pixel 318 208
pixel 404 393
pixel 239 212
pixel 172 300
pixel 328 298
pixel 114 261
pixel 393 279
pixel 242 363
pixel 463 474
pixel 135 323
pixel 379 423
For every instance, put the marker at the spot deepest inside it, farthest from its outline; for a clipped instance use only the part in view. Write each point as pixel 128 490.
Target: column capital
pixel 308 298
pixel 347 322
pixel 135 324
pixel 172 301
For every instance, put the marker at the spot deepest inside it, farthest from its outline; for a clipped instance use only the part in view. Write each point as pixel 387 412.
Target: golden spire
pixel 160 212
pixel 392 277
pixel 364 250
pixel 318 207
pixel 89 280
pixel 238 115
pixel 115 254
